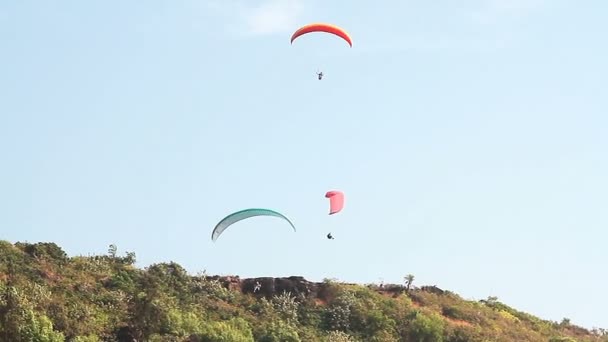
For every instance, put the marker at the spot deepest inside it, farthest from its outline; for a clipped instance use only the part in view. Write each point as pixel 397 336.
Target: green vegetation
pixel 47 296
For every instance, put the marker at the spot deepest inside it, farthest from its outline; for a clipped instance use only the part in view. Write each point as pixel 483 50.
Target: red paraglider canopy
pixel 336 201
pixel 323 27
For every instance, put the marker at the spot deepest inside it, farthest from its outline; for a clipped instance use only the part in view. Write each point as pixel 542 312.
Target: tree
pixel 112 251
pixel 21 322
pixel 408 279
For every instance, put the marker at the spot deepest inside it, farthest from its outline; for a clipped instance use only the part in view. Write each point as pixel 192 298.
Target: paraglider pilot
pixel 320 74
pixel 329 236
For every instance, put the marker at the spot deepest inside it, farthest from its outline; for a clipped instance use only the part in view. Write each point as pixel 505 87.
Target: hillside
pixel 47 296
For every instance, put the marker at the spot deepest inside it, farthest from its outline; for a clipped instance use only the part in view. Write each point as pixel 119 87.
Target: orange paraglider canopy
pixel 322 27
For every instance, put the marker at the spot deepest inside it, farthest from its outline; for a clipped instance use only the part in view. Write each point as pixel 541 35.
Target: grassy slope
pixel 47 296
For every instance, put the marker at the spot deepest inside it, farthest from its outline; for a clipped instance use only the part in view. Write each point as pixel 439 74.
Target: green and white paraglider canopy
pixel 245 214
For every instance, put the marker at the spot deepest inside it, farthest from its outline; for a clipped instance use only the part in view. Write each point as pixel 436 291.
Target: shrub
pixel 234 330
pixel 279 331
pixel 426 328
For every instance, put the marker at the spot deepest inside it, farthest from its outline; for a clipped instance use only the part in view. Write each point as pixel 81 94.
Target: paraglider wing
pixel 244 214
pixel 322 27
pixel 336 201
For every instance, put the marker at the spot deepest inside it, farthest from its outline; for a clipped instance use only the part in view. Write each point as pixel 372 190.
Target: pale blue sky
pixel 469 138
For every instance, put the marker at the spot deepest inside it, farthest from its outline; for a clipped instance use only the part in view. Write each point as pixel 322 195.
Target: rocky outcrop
pixel 268 286
pixel 302 288
pixel 432 289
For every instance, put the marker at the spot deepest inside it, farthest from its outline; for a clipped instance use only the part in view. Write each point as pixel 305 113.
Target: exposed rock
pixel 268 286
pixel 298 287
pixel 432 289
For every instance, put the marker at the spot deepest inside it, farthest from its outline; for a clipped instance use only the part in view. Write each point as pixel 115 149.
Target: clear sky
pixel 469 137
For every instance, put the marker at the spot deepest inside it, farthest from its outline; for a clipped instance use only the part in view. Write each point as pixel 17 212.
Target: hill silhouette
pixel 45 295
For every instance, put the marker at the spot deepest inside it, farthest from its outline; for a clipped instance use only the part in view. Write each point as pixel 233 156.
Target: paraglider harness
pixel 329 236
pixel 320 75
